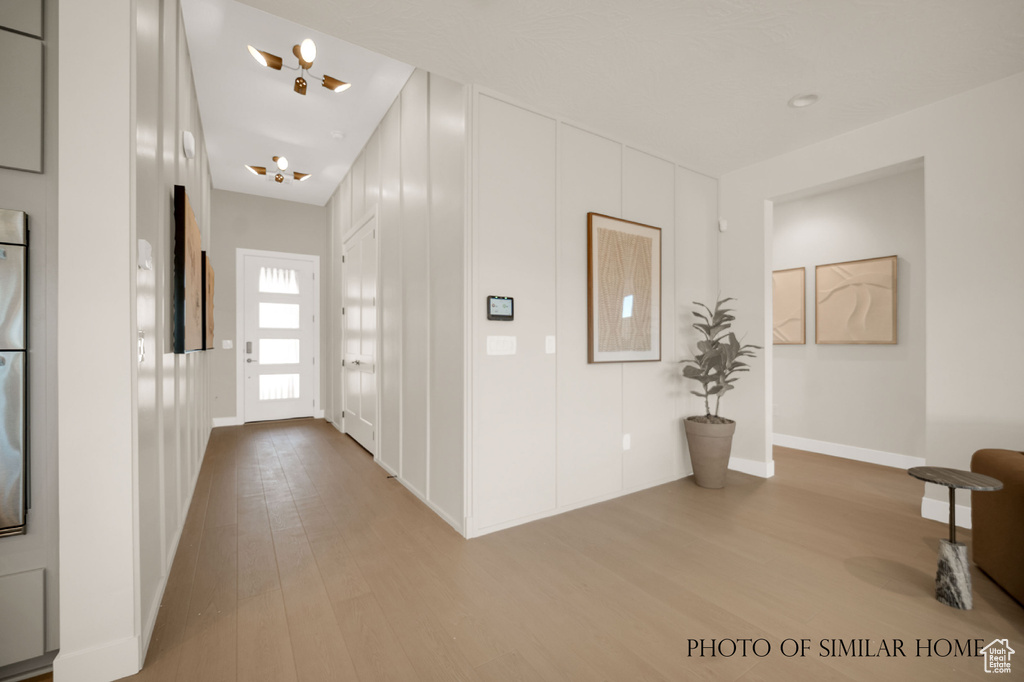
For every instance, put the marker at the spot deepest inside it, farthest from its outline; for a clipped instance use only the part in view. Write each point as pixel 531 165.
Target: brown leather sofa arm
pixel 997 520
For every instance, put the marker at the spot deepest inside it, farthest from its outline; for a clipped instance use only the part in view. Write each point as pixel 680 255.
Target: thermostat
pixel 499 308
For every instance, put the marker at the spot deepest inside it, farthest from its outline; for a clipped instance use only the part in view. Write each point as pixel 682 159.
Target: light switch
pixel 626 441
pixel 501 345
pixel 549 344
pixel 227 344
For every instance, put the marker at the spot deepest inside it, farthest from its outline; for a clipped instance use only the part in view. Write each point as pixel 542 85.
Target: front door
pixel 279 349
pixel 359 306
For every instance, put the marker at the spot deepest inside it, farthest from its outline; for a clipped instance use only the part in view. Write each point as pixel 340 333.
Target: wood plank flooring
pixel 300 560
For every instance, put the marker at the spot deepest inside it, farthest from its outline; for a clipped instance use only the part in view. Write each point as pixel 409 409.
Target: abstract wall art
pixel 207 302
pixel 623 290
pixel 855 302
pixel 188 276
pixel 788 307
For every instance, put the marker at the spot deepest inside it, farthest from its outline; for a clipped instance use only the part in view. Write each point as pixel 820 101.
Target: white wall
pixel 972 145
pixel 172 391
pixel 251 222
pixel 132 433
pixel 547 428
pixel 866 396
pixel 36 194
pixel 412 173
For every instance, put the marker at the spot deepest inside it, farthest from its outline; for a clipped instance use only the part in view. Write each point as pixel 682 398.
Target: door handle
pixel 356 362
pixel 248 359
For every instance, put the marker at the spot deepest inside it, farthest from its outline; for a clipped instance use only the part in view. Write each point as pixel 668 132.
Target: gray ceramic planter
pixel 710 445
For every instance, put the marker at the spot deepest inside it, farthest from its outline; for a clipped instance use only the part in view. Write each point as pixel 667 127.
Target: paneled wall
pixel 412 174
pixel 36 194
pixel 173 415
pixel 134 417
pixel 547 430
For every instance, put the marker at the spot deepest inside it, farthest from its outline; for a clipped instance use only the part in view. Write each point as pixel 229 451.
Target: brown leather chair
pixel 997 520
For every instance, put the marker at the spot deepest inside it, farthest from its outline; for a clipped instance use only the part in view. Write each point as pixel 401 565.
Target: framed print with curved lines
pixel 855 302
pixel 623 290
pixel 788 307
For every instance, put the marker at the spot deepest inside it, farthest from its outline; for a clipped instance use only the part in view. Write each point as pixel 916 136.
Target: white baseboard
pixel 938 510
pixel 889 459
pixel 111 661
pixel 226 421
pixel 752 467
pixel 235 421
pixel 472 532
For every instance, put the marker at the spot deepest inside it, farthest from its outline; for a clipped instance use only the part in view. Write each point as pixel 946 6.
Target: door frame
pixel 357 227
pixel 240 255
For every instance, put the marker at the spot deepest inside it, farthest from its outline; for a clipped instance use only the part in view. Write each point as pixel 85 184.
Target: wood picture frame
pixel 855 302
pixel 623 290
pixel 188 277
pixel 208 282
pixel 789 307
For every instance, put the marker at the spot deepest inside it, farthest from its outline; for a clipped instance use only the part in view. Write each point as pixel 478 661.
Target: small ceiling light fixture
pixel 280 177
pixel 305 53
pixel 801 101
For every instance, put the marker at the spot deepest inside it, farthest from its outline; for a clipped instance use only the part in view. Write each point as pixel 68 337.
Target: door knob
pixel 248 359
pixel 356 362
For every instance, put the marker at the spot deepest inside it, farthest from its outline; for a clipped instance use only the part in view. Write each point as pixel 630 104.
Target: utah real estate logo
pixel 997 656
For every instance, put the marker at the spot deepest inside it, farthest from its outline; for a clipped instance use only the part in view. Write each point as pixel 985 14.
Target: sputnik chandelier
pixel 279 176
pixel 305 52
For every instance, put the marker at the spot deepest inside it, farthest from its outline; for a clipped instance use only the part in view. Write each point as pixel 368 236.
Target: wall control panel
pixel 499 308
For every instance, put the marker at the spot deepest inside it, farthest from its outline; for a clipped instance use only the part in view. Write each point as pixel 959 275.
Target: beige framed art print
pixel 855 302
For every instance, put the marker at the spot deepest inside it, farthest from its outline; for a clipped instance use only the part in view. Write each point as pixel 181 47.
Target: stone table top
pixel 956 478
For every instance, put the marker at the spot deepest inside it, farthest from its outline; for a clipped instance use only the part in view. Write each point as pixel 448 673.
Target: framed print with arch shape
pixel 623 290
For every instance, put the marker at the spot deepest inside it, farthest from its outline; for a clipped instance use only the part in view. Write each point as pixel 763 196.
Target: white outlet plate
pixel 626 441
pixel 227 344
pixel 501 345
pixel 549 344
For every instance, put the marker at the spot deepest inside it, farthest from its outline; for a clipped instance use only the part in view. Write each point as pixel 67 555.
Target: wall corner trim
pixel 888 459
pixel 752 467
pixel 111 661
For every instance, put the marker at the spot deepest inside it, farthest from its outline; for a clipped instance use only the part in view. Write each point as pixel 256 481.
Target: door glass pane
pixel 279 386
pixel 279 351
pixel 278 281
pixel 279 315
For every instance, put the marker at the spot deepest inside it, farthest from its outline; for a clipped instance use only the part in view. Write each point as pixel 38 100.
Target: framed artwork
pixel 789 318
pixel 623 290
pixel 855 302
pixel 188 277
pixel 207 303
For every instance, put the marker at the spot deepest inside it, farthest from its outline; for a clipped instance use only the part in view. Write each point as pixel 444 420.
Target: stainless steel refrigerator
pixel 13 371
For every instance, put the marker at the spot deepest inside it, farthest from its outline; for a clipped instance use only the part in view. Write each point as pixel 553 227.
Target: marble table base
pixel 953 580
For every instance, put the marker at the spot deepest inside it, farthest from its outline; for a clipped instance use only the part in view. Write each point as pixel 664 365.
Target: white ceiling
pixel 250 113
pixel 702 82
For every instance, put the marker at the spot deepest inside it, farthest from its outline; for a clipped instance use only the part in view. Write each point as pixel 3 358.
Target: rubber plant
pixel 719 359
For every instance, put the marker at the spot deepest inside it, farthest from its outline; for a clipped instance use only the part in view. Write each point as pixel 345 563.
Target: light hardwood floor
pixel 301 560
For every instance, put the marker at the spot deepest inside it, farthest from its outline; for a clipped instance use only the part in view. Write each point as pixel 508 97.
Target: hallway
pixel 301 560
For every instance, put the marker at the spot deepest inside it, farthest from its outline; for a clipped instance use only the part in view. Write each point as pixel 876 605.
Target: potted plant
pixel 714 367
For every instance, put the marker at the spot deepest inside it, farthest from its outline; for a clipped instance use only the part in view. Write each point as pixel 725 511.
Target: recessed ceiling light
pixel 801 101
pixel 337 135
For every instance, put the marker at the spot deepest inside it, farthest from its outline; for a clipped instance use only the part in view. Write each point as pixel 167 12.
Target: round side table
pixel 953 579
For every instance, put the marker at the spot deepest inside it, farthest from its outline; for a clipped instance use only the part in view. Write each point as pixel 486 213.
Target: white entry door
pixel 279 345
pixel 359 313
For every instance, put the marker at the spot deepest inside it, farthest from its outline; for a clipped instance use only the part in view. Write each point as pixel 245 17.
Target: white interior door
pixel 279 345
pixel 359 306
